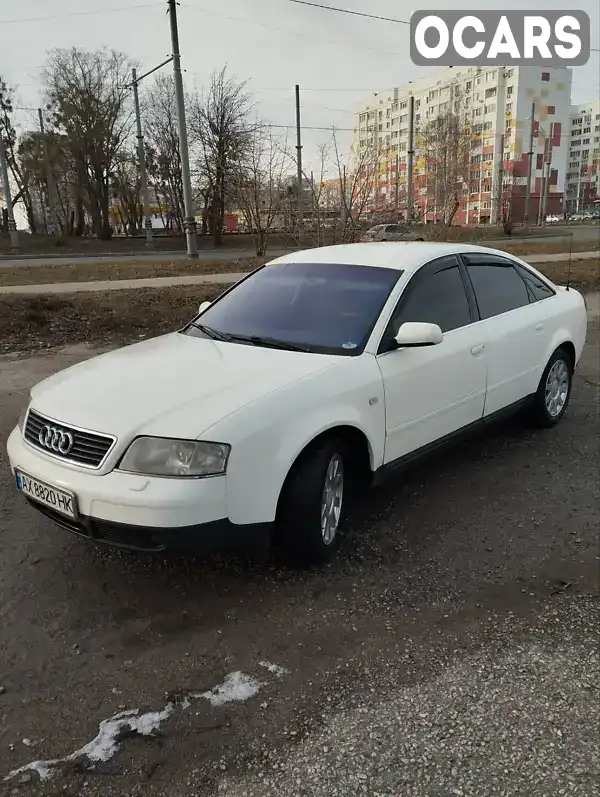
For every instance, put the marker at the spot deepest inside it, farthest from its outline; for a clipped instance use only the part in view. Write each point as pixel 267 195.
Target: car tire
pixel 314 481
pixel 554 391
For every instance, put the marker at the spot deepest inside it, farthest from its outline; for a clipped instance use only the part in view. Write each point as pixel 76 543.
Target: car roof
pixel 407 256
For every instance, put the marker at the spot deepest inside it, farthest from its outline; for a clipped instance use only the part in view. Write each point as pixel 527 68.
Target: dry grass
pixel 546 248
pixel 33 322
pixel 134 269
pixel 584 274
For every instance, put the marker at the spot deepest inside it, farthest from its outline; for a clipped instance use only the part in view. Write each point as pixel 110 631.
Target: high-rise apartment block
pixel 495 105
pixel 583 183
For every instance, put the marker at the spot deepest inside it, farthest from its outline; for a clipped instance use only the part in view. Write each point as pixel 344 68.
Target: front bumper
pixel 134 511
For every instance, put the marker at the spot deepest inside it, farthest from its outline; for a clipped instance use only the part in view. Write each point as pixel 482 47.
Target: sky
pixel 337 59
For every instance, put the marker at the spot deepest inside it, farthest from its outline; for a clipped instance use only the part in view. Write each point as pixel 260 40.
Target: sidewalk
pixel 203 279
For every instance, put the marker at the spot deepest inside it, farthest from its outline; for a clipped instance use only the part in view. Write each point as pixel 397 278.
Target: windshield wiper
pixel 271 343
pixel 213 334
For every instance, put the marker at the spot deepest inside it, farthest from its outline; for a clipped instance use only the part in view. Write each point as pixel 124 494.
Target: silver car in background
pixel 391 232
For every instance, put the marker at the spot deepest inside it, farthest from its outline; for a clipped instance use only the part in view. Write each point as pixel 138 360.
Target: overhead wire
pixel 77 14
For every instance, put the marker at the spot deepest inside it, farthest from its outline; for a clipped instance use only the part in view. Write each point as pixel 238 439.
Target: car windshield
pixel 318 307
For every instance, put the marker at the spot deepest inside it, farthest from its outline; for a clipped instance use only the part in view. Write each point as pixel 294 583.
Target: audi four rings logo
pixel 56 439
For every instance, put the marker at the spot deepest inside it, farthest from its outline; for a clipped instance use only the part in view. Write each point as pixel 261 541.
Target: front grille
pixel 89 448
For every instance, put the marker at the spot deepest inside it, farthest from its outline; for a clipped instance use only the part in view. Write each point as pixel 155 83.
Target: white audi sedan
pixel 311 378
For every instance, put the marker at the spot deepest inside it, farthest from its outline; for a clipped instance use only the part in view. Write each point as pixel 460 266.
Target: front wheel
pixel 312 503
pixel 554 391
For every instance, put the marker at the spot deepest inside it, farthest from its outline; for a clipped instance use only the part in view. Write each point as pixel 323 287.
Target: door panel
pixel 433 391
pixel 513 327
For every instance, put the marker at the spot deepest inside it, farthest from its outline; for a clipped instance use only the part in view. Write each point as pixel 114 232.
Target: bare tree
pixel 219 122
pixel 358 180
pixel 258 183
pixel 89 96
pixel 126 192
pixel 445 142
pixel 162 148
pixel 11 146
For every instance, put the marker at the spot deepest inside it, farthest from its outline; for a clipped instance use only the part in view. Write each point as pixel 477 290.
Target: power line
pixel 368 16
pixel 348 11
pixel 290 31
pixel 77 14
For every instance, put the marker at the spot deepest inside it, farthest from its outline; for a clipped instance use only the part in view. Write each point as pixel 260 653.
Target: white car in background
pixel 315 375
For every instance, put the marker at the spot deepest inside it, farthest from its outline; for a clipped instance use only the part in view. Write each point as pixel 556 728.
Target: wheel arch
pixel 353 435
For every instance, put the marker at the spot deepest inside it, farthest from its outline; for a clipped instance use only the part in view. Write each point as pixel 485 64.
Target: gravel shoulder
pixel 450 651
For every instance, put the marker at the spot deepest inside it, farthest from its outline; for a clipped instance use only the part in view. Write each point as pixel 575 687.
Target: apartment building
pixel 495 106
pixel 583 181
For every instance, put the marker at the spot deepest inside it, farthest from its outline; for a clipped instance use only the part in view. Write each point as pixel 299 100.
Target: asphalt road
pixel 452 649
pixel 581 233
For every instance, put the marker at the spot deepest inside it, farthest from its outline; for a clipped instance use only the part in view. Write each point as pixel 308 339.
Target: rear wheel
pixel 554 391
pixel 312 503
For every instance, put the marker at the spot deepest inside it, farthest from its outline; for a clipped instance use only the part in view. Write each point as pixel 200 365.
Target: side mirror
pixel 204 306
pixel 412 334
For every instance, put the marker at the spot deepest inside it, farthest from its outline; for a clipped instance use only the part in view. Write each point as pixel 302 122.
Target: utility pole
pixel 397 189
pixel 529 168
pixel 410 158
pixel 299 157
pixel 188 200
pixel 50 185
pixel 500 210
pixel 12 227
pixel 548 175
pixel 142 160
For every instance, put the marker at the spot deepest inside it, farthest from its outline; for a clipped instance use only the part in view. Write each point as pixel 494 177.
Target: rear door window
pixel 498 286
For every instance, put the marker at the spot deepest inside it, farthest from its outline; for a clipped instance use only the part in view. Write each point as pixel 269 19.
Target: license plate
pixel 59 500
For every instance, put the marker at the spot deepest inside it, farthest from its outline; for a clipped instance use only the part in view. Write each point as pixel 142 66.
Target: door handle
pixel 476 350
pixel 539 327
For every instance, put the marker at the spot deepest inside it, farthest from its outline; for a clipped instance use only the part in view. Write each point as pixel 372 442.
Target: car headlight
pixel 157 456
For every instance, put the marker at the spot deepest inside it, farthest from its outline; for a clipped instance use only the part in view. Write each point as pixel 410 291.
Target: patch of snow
pixel 274 668
pixel 236 687
pixel 105 744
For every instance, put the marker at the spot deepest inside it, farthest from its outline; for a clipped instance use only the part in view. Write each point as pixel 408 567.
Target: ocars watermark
pixel 500 38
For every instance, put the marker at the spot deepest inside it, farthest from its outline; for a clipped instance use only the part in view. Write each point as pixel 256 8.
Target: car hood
pixel 176 385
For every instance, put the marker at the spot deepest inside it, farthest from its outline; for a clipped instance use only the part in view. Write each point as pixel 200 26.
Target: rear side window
pixel 391 228
pixel 538 290
pixel 498 286
pixel 438 298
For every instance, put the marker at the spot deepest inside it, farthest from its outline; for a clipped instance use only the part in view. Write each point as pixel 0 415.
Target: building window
pixel 586 141
pixel 490 93
pixel 576 122
pixel 587 130
pixel 490 108
pixel 509 107
pixel 551 110
pixel 546 77
pixel 403 105
pixel 576 142
pixel 490 77
pixel 509 91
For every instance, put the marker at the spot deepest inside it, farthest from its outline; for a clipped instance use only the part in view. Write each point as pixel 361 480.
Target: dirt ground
pixel 106 270
pixel 451 650
pixel 28 323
